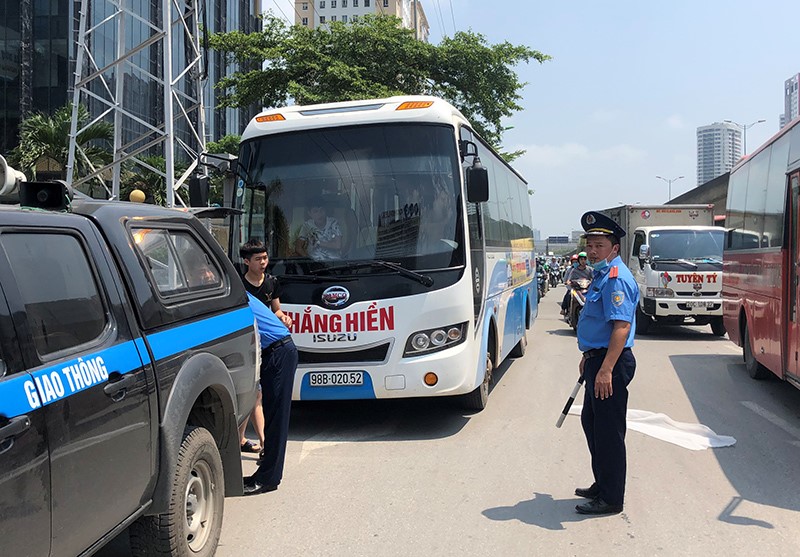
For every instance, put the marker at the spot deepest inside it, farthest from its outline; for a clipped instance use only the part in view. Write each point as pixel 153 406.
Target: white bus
pixel 403 280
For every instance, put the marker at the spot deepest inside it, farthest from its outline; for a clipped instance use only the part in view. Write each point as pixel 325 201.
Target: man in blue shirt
pixel 605 336
pixel 278 366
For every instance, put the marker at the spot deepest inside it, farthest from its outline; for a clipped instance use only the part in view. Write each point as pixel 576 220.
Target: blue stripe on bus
pixel 343 392
pixel 173 341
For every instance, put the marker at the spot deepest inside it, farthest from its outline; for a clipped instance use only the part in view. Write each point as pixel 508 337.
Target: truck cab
pixel 679 273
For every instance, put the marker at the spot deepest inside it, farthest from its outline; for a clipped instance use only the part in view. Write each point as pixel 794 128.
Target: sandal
pixel 250 447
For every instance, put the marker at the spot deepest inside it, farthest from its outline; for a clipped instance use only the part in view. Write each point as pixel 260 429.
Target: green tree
pixel 374 57
pixel 45 139
pixel 139 177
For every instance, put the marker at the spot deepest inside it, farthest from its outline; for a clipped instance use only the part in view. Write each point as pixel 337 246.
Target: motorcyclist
pixel 555 271
pixel 580 269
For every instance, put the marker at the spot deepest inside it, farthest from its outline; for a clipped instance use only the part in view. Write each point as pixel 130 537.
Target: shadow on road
pixel 681 333
pixel 763 416
pixel 542 511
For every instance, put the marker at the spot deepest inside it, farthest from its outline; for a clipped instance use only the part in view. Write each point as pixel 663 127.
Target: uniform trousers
pixel 604 425
pixel 278 366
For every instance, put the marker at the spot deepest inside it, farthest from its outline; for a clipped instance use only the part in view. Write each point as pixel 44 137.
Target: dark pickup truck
pixel 127 360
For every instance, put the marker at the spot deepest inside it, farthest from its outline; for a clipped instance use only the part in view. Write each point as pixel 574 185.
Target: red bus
pixel 761 269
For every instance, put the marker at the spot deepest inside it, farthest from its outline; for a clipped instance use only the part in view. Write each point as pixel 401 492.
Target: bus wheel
pixel 718 327
pixel 519 350
pixel 477 399
pixel 754 369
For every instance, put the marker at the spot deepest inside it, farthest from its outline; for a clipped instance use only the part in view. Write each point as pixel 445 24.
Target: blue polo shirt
pixel 610 298
pixel 270 328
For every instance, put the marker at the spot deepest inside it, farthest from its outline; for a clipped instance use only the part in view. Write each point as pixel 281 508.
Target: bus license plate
pixel 335 378
pixel 700 304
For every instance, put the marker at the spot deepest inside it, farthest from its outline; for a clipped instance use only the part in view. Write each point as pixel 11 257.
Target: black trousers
pixel 278 367
pixel 603 424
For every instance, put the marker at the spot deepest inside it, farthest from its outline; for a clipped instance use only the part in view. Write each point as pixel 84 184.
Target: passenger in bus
pixel 436 218
pixel 320 236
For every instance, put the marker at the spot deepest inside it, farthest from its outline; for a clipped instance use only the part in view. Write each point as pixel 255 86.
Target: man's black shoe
pixel 598 506
pixel 253 487
pixel 591 492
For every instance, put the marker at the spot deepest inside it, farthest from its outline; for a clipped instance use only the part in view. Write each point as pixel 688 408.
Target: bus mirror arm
pixel 477 182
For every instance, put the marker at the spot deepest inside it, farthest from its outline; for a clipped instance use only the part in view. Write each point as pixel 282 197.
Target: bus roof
pixel 409 108
pixel 784 130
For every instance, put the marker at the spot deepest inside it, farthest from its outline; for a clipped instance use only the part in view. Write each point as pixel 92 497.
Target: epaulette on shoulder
pixel 614 272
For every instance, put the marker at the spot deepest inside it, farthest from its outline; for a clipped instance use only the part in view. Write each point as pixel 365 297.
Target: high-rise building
pixel 791 100
pixel 37 61
pixel 313 13
pixel 719 147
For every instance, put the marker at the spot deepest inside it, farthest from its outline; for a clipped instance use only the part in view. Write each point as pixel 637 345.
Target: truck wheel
pixel 754 369
pixel 718 327
pixel 643 321
pixel 477 399
pixel 192 525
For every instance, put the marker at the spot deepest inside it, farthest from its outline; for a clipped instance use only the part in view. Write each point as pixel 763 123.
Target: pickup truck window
pixel 58 287
pixel 178 263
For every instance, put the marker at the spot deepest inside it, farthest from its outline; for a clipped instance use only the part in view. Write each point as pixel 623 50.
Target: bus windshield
pixel 323 198
pixel 687 244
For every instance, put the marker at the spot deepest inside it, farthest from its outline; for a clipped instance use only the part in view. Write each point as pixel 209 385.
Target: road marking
pixel 794 431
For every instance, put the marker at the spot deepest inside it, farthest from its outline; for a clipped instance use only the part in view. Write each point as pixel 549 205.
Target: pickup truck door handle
pixel 13 429
pixel 118 384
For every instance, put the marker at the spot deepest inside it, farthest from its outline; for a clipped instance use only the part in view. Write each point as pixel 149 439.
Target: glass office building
pixel 37 61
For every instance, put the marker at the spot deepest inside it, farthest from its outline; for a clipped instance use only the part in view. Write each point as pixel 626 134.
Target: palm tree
pixel 44 143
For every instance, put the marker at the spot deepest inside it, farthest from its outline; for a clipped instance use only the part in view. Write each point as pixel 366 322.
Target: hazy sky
pixel 629 83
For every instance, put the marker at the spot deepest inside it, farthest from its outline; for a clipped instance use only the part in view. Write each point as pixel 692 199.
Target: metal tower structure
pixel 139 65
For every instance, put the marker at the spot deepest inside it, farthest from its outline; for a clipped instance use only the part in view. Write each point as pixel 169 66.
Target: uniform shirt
pixel 613 296
pixel 270 328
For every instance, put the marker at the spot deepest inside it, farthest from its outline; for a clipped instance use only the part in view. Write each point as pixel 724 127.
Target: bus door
pixel 793 340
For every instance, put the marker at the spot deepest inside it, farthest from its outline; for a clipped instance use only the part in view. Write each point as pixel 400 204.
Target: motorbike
pixel 577 299
pixel 541 282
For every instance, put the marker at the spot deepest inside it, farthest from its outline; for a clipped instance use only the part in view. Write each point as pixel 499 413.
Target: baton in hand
pixel 571 399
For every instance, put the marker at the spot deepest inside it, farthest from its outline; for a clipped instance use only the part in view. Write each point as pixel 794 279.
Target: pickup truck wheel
pixel 643 321
pixel 754 369
pixel 192 525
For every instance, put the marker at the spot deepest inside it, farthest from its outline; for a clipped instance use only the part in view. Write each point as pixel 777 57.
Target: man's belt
pixel 277 344
pixel 598 352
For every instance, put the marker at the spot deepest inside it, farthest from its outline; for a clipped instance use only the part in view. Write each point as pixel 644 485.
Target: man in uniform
pixel 605 336
pixel 278 366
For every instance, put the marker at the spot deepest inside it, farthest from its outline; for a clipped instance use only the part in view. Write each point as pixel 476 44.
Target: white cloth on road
pixel 696 437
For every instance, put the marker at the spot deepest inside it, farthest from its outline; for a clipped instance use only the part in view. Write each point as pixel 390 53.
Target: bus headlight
pixel 660 293
pixel 433 340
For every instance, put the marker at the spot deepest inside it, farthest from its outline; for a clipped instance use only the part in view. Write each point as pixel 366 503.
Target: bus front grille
pixel 372 355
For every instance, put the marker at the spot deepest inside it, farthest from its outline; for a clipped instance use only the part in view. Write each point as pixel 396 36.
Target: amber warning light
pixel 411 105
pixel 270 118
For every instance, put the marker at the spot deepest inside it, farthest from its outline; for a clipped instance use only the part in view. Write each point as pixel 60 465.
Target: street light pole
pixel 744 132
pixel 669 182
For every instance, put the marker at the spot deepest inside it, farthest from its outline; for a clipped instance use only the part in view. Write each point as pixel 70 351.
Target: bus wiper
pixel 676 260
pixel 424 280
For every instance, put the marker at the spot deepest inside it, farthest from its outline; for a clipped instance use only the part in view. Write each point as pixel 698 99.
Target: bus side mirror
pixel 477 182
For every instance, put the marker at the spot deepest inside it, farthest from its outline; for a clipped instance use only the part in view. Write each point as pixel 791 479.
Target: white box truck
pixel 675 255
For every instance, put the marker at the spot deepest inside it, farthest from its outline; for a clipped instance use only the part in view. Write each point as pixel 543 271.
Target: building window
pixel 321 4
pixel 305 21
pixel 333 3
pixel 385 3
pixel 344 18
pixel 355 3
pixel 355 18
pixel 322 19
pixel 333 18
pixel 366 3
pixel 344 3
pixel 305 6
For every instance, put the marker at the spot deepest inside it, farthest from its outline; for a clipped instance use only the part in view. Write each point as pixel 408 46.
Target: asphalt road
pixel 422 477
